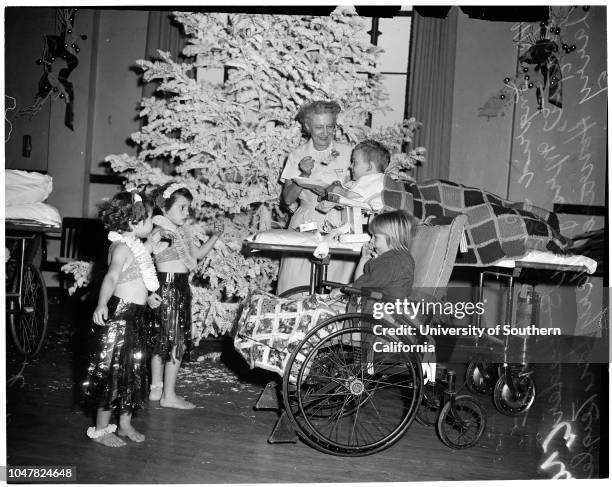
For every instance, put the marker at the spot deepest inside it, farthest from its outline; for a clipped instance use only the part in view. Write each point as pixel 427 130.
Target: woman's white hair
pixel 317 107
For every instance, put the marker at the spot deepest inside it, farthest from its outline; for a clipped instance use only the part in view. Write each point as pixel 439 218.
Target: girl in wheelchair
pixel 386 265
pixel 270 327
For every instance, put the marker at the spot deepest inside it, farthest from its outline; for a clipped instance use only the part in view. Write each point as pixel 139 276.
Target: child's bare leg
pixel 169 398
pixel 157 377
pixel 108 439
pixel 126 428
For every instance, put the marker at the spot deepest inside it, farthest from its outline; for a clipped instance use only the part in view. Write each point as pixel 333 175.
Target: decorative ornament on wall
pixel 539 65
pixel 62 48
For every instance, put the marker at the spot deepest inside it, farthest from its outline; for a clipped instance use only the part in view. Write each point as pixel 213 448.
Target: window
pixel 394 38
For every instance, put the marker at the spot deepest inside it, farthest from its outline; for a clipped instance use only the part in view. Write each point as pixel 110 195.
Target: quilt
pixel 270 328
pixel 496 228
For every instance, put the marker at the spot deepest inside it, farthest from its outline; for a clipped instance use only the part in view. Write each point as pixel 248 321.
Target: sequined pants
pixel 118 374
pixel 169 325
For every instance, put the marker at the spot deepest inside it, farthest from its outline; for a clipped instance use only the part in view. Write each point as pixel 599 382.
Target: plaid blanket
pixel 496 228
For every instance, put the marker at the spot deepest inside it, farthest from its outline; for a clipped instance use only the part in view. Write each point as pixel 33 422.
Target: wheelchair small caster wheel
pixel 461 423
pixel 515 400
pixel 428 411
pixel 480 377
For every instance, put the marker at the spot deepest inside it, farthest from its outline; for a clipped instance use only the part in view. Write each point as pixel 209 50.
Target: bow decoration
pixel 55 48
pixel 542 56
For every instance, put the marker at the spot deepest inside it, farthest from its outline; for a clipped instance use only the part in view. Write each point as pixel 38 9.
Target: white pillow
pixel 22 187
pixel 38 212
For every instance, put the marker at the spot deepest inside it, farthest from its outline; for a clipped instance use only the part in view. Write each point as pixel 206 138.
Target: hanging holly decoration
pixel 543 55
pixel 55 83
pixel 540 65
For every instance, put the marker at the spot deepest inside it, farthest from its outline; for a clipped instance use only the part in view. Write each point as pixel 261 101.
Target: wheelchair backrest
pixel 434 249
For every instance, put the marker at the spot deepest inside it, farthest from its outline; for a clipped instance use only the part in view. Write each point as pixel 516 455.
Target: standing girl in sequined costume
pixel 117 379
pixel 170 325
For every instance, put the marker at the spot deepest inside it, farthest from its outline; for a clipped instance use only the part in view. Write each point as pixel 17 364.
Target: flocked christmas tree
pixel 228 141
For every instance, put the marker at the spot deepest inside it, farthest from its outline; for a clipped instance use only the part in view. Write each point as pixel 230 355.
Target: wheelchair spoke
pixel 342 402
pixel 386 385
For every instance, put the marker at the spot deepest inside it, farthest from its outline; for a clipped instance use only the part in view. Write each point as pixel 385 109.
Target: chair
pixel 81 239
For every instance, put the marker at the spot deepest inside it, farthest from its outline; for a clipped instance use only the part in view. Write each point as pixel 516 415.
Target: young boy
pixel 369 160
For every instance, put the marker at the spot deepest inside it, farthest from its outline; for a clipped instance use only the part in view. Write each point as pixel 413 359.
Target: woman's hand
pixel 100 315
pixel 154 300
pixel 306 166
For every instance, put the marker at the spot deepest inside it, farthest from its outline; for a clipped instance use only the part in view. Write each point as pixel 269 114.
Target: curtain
pixel 430 89
pixel 164 34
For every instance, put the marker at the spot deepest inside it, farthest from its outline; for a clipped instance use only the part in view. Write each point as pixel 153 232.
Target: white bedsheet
pixel 37 212
pixel 538 256
pixel 290 237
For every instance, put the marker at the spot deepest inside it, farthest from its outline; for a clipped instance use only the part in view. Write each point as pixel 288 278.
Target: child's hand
pixel 218 228
pixel 306 166
pixel 337 189
pixel 167 236
pixel 100 315
pixel 367 251
pixel 336 293
pixel 154 300
pixel 152 241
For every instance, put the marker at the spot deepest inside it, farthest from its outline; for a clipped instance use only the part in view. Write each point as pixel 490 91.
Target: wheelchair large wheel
pixel 29 324
pixel 481 376
pixel 296 292
pixel 345 392
pixel 515 400
pixel 335 404
pixel 461 425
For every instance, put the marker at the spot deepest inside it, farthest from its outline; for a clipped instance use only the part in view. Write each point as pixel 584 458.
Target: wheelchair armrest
pixel 350 290
pixel 353 291
pixel 333 284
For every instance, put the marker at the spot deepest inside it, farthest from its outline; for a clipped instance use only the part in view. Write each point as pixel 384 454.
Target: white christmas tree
pixel 228 141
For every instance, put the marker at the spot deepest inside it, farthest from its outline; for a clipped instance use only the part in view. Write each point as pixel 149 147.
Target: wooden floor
pixel 224 440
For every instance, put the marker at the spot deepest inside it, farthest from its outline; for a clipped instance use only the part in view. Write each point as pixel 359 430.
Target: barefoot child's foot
pixel 156 391
pixel 105 436
pixel 175 402
pixel 130 433
pixel 110 439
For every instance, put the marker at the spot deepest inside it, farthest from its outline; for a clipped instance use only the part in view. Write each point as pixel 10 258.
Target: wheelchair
pixel 350 390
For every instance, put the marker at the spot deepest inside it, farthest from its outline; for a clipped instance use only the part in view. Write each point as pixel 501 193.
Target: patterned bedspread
pixel 496 228
pixel 270 327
